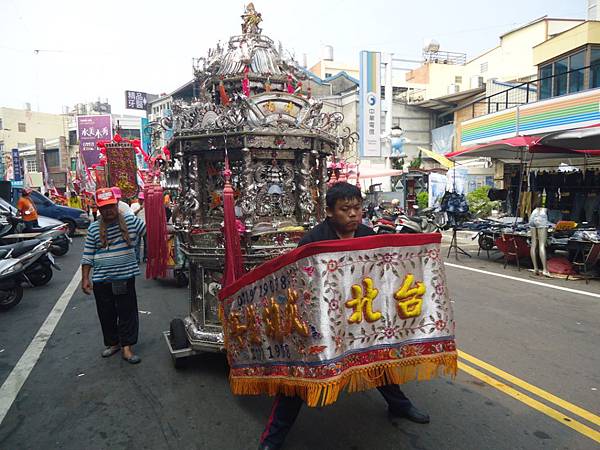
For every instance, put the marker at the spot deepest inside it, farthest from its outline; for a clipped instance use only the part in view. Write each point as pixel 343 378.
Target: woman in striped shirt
pixel 109 255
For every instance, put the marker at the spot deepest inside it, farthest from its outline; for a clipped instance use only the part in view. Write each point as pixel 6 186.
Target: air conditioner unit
pixel 453 88
pixel 476 82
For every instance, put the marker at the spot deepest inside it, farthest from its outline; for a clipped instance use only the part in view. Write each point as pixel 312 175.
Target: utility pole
pixel 37 79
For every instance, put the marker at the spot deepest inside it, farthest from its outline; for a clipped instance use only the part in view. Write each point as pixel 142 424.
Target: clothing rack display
pixel 568 195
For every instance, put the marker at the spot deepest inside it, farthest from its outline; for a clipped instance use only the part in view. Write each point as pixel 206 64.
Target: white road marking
pixel 17 377
pixel 537 283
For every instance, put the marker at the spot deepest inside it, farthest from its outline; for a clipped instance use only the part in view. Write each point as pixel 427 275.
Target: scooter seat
pixel 42 229
pixel 18 248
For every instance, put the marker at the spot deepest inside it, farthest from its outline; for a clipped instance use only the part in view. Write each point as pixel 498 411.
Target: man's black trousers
pixel 286 409
pixel 118 314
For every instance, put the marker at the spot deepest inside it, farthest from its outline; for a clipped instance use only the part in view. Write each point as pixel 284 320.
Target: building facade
pixel 564 94
pixel 52 139
pixel 512 61
pixel 19 128
pixel 38 137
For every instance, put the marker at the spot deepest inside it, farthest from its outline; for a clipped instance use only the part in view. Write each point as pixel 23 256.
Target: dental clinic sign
pixel 370 103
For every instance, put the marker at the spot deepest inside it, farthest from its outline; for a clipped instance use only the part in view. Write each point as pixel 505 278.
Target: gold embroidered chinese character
pixel 270 106
pixel 293 321
pixel 410 297
pixel 236 328
pixel 362 302
pixel 253 326
pixel 273 324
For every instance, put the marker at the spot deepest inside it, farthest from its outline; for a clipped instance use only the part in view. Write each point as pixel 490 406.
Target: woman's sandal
pixel 133 359
pixel 109 351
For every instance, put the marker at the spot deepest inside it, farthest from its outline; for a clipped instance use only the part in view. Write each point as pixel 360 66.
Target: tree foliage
pixel 479 203
pixel 423 200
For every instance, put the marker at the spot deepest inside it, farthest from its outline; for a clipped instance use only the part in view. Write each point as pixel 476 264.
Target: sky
pixel 56 53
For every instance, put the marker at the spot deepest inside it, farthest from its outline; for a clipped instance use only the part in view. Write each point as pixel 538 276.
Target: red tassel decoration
pixel 223 94
pixel 246 83
pixel 289 85
pixel 156 232
pixel 233 249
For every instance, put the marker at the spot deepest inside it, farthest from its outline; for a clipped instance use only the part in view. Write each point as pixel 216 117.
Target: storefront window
pixel 546 82
pixel 576 64
pixel 595 68
pixel 561 68
pixel 52 157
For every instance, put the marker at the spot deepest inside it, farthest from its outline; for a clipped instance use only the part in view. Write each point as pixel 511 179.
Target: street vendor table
pixel 513 246
pixel 587 254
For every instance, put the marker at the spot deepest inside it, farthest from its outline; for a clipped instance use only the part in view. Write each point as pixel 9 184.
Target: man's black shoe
pixel 412 414
pixel 267 447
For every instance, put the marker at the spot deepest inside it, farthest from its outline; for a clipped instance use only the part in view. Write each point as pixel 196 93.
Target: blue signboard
pixel 16 160
pixel 168 132
pixel 370 103
pixel 146 135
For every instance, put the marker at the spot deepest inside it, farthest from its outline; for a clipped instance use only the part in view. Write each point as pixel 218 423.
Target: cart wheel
pixel 179 338
pixel 181 279
pixel 486 242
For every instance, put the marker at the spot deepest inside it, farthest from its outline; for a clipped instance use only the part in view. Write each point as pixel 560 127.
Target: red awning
pixel 514 148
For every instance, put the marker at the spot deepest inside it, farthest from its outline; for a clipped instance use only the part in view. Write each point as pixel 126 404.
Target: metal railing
pixel 569 82
pixel 445 57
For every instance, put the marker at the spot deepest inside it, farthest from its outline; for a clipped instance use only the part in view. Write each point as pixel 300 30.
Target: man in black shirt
pixel 344 216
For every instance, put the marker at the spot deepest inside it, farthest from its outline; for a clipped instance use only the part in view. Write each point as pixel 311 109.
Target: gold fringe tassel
pixel 322 393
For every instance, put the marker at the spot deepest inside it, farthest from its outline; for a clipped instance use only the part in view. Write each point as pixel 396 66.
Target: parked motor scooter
pixel 425 221
pixel 39 273
pixel 57 232
pixel 384 225
pixel 18 263
pixel 59 235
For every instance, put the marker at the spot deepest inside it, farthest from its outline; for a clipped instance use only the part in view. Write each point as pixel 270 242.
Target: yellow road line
pixel 531 402
pixel 584 414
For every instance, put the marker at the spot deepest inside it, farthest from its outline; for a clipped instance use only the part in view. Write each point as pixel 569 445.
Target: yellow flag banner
pixel 349 314
pixel 447 163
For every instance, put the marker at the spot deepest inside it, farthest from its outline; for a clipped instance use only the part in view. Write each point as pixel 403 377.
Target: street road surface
pixel 529 376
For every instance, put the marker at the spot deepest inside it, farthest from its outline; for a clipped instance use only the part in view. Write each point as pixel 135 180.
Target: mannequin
pixel 538 222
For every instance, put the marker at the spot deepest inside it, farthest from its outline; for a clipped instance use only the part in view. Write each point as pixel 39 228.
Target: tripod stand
pixel 454 221
pixel 454 245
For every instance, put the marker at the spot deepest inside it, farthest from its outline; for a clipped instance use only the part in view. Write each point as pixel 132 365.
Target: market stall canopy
pixel 584 139
pixel 514 148
pixel 370 172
